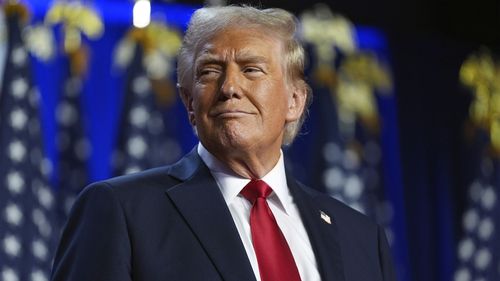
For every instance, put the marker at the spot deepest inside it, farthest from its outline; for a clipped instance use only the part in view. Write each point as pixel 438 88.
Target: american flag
pixel 346 149
pixel 348 160
pixel 479 249
pixel 144 140
pixel 27 226
pixel 348 152
pixel 73 146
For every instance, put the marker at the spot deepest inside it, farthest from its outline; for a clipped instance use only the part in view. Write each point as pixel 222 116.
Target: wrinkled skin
pixel 240 99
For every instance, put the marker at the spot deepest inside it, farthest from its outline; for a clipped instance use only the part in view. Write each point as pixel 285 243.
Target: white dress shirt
pixel 282 205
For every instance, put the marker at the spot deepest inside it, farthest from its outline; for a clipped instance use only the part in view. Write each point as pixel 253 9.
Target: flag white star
pixel 19 87
pixel 18 119
pixel 463 274
pixel 8 274
pixel 40 220
pixel 38 275
pixel 13 214
pixel 332 152
pixel 470 219
pixel 466 249
pixel 334 179
pixel 17 151
pixel 66 114
pixel 45 197
pixel 141 85
pixel 136 146
pixel 488 198
pixel 353 187
pixel 482 259
pixel 15 182
pixel 46 167
pixel 19 56
pixel 486 229
pixel 39 250
pixel 475 191
pixel 139 116
pixel 11 245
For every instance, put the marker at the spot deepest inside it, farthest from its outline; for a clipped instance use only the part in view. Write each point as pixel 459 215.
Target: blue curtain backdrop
pixel 421 183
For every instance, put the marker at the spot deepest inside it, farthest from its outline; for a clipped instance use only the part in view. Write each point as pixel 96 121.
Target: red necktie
pixel 273 254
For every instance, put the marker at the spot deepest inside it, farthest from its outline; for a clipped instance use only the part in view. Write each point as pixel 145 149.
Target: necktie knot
pixel 256 189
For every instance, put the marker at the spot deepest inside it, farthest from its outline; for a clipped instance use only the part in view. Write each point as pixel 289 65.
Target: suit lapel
pixel 323 236
pixel 200 202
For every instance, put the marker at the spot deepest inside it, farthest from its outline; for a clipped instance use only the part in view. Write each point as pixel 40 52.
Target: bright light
pixel 142 13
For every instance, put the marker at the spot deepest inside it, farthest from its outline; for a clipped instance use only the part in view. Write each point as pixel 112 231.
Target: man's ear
pixel 187 100
pixel 296 103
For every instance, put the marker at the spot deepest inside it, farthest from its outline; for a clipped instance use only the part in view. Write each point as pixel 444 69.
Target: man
pixel 228 210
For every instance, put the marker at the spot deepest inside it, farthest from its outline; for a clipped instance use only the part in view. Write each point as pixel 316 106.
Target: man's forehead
pixel 246 53
pixel 246 44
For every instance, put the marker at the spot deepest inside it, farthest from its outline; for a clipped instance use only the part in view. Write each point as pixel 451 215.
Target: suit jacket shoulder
pixel 158 224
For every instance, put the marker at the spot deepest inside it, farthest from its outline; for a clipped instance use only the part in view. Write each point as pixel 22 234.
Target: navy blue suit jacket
pixel 172 223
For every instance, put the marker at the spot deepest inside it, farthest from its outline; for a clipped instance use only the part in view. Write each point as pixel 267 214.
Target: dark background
pixel 467 21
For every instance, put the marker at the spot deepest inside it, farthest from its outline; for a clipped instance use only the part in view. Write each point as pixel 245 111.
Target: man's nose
pixel 231 84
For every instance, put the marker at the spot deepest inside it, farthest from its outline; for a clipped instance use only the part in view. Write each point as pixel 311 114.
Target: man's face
pixel 240 99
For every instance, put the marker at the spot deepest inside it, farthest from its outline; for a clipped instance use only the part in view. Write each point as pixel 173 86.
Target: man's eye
pixel 252 70
pixel 208 73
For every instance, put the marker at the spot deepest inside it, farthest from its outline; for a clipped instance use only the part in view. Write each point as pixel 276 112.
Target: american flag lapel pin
pixel 325 217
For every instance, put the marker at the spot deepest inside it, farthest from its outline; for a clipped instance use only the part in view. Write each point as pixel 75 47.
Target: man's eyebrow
pixel 251 57
pixel 242 57
pixel 207 58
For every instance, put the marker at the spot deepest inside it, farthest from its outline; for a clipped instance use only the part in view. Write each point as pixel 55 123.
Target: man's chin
pixel 230 143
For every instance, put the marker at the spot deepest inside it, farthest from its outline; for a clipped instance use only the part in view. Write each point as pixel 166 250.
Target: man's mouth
pixel 231 113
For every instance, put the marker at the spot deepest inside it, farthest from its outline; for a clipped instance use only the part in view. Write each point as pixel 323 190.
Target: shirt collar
pixel 231 183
